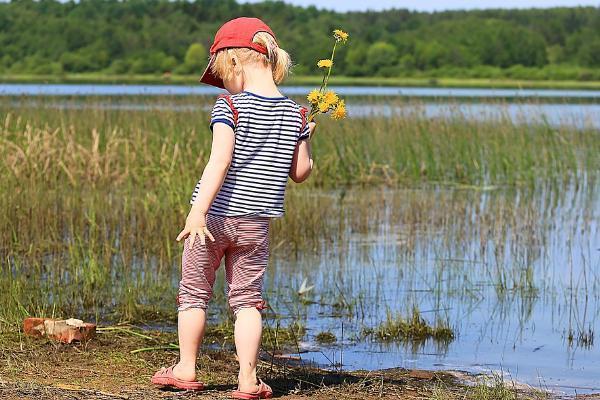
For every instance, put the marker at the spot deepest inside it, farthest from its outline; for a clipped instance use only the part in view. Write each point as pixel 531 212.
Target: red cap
pixel 238 33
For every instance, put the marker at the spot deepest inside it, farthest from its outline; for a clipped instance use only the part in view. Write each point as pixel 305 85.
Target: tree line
pixel 159 36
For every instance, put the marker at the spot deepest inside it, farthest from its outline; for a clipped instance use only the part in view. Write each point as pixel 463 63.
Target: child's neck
pixel 259 80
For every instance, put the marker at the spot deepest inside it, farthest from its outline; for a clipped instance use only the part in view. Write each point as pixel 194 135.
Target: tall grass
pixel 92 198
pixel 166 149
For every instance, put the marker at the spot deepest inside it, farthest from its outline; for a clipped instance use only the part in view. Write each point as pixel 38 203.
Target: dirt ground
pixel 105 368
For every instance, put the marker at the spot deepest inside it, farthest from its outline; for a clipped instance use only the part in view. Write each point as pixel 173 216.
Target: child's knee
pixel 236 304
pixel 192 299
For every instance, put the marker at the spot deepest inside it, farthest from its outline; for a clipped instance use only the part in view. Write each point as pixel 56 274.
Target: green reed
pixel 162 149
pixel 93 198
pixel 411 328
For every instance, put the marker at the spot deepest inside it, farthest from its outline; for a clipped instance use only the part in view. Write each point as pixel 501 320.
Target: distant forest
pixel 155 36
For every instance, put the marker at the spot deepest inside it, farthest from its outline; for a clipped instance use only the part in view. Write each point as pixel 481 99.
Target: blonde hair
pixel 277 58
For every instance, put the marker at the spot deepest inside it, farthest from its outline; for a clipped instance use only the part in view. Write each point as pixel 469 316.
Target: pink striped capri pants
pixel 244 241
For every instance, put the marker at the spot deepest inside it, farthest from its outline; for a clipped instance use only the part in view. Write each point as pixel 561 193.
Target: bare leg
pixel 248 331
pixel 191 325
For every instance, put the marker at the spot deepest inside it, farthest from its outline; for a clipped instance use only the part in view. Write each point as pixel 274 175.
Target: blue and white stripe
pixel 267 131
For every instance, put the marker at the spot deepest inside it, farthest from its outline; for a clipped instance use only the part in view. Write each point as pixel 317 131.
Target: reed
pixel 325 337
pixel 165 148
pixel 96 194
pixel 413 328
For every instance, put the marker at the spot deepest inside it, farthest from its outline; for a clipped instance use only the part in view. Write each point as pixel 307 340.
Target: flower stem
pixel 314 109
pixel 330 68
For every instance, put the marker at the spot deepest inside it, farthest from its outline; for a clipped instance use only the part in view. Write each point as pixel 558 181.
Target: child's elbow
pixel 220 163
pixel 301 176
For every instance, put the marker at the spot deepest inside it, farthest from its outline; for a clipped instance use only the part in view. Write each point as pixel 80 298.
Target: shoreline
pixel 429 82
pixel 105 367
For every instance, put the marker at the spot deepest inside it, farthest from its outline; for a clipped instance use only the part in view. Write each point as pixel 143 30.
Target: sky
pixel 437 5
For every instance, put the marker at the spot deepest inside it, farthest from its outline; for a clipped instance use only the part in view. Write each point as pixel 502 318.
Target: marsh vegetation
pixel 490 227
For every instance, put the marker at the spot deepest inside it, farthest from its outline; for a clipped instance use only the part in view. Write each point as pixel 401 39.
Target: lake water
pixel 42 89
pixel 514 271
pixel 553 107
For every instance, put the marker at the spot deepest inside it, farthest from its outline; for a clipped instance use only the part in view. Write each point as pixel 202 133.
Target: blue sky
pixel 436 5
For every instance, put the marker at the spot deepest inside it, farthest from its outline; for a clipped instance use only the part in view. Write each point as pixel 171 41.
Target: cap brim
pixel 210 79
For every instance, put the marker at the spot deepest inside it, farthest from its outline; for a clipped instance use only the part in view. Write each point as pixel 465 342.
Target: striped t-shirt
pixel 266 134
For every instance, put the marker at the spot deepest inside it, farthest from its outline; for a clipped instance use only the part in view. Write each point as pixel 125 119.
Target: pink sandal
pixel 164 377
pixel 264 391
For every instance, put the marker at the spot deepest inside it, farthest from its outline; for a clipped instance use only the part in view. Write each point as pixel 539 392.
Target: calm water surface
pixel 514 271
pixel 43 89
pixel 554 107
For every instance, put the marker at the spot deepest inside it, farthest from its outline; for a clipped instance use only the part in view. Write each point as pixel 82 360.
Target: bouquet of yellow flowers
pixel 322 100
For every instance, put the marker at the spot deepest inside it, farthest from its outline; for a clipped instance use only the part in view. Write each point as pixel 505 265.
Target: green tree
pixel 195 58
pixel 429 55
pixel 355 60
pixel 156 36
pixel 407 62
pixel 150 62
pixel 381 54
pixel 589 53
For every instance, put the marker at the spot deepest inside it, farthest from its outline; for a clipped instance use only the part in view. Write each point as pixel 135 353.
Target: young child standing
pixel 260 137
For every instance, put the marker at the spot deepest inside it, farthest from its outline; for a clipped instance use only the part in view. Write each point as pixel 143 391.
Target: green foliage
pixel 195 57
pixel 589 53
pixel 356 59
pixel 381 54
pixel 92 196
pixel 147 37
pixel 152 61
pixel 411 328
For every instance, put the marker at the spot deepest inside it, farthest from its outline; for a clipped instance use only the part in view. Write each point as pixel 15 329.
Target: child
pixel 260 137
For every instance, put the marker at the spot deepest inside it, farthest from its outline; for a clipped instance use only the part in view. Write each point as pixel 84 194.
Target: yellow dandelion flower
pixel 330 98
pixel 314 96
pixel 324 106
pixel 327 63
pixel 340 111
pixel 340 35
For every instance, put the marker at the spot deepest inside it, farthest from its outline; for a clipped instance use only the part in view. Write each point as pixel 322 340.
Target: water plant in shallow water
pixel 413 328
pixel 325 337
pixel 98 177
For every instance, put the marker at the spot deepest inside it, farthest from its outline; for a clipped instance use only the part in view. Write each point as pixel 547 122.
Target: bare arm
pixel 212 179
pixel 302 162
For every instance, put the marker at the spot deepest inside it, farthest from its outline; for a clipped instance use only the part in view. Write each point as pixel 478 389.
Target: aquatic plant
pixel 412 328
pixel 94 196
pixel 325 337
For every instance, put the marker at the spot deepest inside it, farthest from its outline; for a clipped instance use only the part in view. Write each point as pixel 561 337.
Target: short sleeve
pixel 305 132
pixel 195 193
pixel 222 112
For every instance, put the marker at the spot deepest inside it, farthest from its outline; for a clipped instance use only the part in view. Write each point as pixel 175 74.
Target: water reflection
pixel 586 115
pixel 513 270
pixel 44 89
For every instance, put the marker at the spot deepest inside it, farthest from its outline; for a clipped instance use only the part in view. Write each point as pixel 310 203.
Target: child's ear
pixel 236 65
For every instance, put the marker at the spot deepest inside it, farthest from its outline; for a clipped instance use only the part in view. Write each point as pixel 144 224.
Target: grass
pixel 221 335
pixel 325 337
pixel 583 338
pixel 488 387
pixel 91 200
pixel 313 80
pixel 136 150
pixel 94 196
pixel 413 328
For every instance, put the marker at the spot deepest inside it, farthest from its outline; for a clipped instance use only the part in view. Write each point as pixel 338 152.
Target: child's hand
pixel 195 224
pixel 312 126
